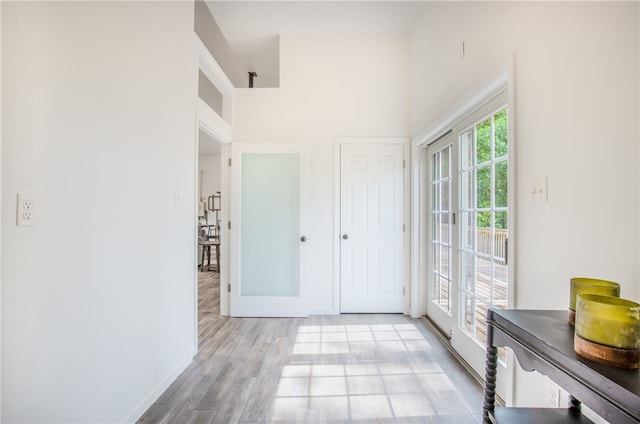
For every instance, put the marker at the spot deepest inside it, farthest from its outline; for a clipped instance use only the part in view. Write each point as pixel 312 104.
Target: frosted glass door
pixel 266 233
pixel 270 216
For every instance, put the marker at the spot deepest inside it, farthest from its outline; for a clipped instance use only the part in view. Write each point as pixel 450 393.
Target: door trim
pixel 220 129
pixel 214 128
pixel 406 142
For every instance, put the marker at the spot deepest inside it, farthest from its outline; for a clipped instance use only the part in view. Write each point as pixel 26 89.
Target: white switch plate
pixel 538 190
pixel 26 210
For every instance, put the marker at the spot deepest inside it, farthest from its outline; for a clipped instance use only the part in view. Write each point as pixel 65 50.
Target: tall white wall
pixel 211 176
pixel 577 123
pixel 98 299
pixel 330 86
pixel 210 167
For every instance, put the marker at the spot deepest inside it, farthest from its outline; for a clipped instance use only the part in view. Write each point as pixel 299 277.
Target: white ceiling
pixel 252 27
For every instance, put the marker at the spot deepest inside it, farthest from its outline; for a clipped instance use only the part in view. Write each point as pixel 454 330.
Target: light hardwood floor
pixel 322 369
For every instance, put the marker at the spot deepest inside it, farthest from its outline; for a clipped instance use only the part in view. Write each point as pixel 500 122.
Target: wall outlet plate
pixel 538 190
pixel 26 209
pixel 554 395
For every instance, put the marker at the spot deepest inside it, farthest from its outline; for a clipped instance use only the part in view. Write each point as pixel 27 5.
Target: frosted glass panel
pixel 270 227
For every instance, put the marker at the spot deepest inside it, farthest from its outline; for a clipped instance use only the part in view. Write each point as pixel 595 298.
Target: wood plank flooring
pixel 322 369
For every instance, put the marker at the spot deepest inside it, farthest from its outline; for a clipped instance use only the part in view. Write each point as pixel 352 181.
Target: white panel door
pixel 267 237
pixel 371 223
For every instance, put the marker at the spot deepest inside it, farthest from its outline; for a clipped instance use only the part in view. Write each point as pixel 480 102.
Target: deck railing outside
pixel 491 278
pixel 491 281
pixel 500 245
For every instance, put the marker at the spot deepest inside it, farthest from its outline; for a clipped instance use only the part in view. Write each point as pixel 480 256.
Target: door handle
pixel 345 236
pixel 303 239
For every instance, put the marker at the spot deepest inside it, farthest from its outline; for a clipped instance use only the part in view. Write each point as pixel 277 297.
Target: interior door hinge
pixel 404 164
pixel 403 290
pixel 229 161
pixel 453 219
pixel 404 227
pixel 229 288
pixel 229 225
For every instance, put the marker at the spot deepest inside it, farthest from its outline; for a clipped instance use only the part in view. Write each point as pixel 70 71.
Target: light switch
pixel 538 190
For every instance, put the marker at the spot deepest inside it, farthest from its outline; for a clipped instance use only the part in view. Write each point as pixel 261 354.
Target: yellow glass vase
pixel 590 285
pixel 608 320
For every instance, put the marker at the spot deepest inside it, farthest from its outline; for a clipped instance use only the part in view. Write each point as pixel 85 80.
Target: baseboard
pixel 446 342
pixel 146 403
pixel 322 311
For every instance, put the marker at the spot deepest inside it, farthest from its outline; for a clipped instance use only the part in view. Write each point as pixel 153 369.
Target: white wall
pixel 576 115
pixel 210 166
pixel 211 179
pixel 98 299
pixel 330 86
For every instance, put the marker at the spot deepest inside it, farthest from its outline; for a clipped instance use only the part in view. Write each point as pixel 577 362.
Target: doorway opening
pixel 210 239
pixel 209 202
pixel 214 107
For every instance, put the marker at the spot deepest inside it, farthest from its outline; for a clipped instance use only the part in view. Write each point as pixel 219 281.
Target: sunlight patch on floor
pixel 369 389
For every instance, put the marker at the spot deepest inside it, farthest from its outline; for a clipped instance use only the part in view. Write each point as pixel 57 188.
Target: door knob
pixel 303 239
pixel 345 236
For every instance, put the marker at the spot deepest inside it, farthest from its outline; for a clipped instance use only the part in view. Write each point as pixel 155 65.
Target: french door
pixel 268 210
pixel 469 228
pixel 442 261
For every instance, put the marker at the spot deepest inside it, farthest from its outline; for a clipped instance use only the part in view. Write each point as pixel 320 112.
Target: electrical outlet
pixel 554 395
pixel 26 209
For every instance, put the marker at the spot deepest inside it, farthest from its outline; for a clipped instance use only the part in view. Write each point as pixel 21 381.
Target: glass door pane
pixel 484 222
pixel 270 230
pixel 441 229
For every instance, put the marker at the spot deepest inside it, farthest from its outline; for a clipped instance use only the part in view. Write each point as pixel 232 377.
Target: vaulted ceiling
pixel 252 27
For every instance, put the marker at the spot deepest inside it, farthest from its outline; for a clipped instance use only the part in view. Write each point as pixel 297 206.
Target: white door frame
pixel 406 142
pixel 208 126
pixel 219 128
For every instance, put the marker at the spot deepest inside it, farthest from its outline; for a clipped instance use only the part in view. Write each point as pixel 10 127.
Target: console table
pixel 543 341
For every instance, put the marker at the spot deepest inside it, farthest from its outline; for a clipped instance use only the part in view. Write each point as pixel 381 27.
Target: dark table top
pixel 549 333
